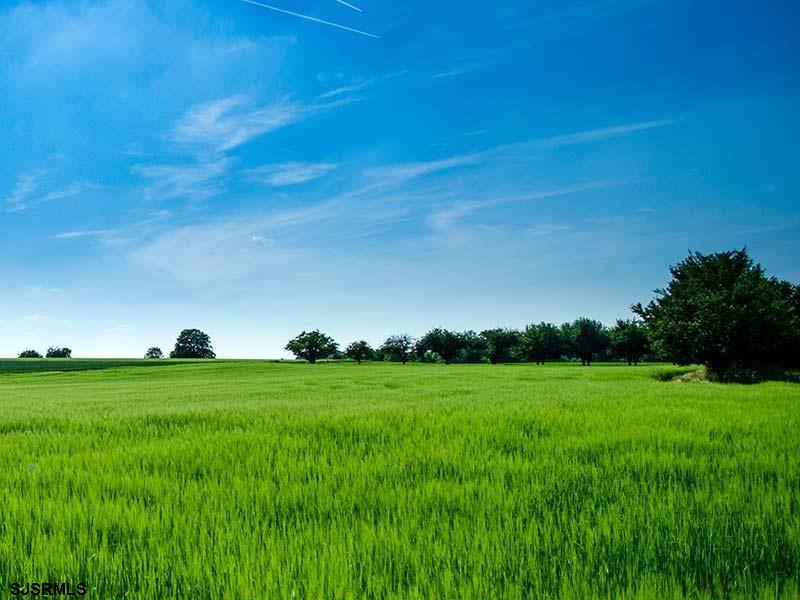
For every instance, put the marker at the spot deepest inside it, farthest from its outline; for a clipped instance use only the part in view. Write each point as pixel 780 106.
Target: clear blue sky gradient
pixel 219 165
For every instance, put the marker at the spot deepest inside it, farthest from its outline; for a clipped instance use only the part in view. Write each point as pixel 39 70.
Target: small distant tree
pixel 722 311
pixel 500 344
pixel 542 342
pixel 154 353
pixel 312 346
pixel 586 339
pixel 629 340
pixel 30 354
pixel 443 342
pixel 359 351
pixel 57 352
pixel 397 348
pixel 471 348
pixel 193 343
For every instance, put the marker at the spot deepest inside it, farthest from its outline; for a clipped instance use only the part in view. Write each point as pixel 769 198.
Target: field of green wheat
pixel 260 480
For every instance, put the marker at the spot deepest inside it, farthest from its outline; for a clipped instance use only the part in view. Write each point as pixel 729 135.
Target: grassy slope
pixel 255 479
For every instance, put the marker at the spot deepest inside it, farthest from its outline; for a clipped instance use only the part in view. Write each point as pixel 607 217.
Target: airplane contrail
pixel 348 5
pixel 307 18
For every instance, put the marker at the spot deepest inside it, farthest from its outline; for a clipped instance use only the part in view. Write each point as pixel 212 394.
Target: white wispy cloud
pixel 443 220
pixel 71 235
pixel 224 124
pixel 289 173
pixel 25 187
pixel 192 181
pixel 594 135
pixel 27 190
pixel 394 174
pixel 451 73
pixel 74 189
pixel 346 89
pixel 430 196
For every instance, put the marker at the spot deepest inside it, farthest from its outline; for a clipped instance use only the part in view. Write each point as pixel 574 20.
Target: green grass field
pixel 258 480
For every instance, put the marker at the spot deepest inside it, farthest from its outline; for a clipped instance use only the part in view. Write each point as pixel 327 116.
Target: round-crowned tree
pixel 193 343
pixel 312 345
pixel 154 352
pixel 58 352
pixel 359 351
pixel 397 348
pixel 542 342
pixel 30 354
pixel 586 338
pixel 722 311
pixel 629 340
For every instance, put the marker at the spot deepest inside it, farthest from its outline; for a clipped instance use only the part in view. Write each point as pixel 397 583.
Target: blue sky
pixel 221 165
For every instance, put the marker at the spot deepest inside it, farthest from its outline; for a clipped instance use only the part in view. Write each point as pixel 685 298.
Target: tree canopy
pixel 722 311
pixel 586 339
pixel 312 346
pixel 58 352
pixel 359 351
pixel 629 340
pixel 500 344
pixel 397 348
pixel 542 342
pixel 30 354
pixel 443 342
pixel 154 352
pixel 193 343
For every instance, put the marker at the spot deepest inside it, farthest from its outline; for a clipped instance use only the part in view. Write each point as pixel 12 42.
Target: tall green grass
pixel 256 480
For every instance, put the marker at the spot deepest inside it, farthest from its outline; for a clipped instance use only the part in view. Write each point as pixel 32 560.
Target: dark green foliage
pixel 312 346
pixel 193 343
pixel 359 351
pixel 472 348
pixel 722 311
pixel 57 352
pixel 154 352
pixel 443 342
pixel 500 344
pixel 629 340
pixel 30 354
pixel 397 348
pixel 542 342
pixel 586 339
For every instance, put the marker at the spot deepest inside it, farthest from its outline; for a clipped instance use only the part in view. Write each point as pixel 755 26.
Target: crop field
pixel 247 479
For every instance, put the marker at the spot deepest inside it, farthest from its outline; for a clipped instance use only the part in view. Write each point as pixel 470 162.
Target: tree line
pixel 584 339
pixel 720 310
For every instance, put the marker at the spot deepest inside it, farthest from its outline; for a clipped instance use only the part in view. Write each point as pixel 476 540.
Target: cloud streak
pixel 199 181
pixel 224 124
pixel 24 194
pixel 290 173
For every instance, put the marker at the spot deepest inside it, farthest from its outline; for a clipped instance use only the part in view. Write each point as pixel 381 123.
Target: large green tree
pixel 153 353
pixel 30 354
pixel 586 339
pixel 499 344
pixel 722 311
pixel 397 348
pixel 312 345
pixel 629 340
pixel 542 342
pixel 193 343
pixel 443 342
pixel 359 351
